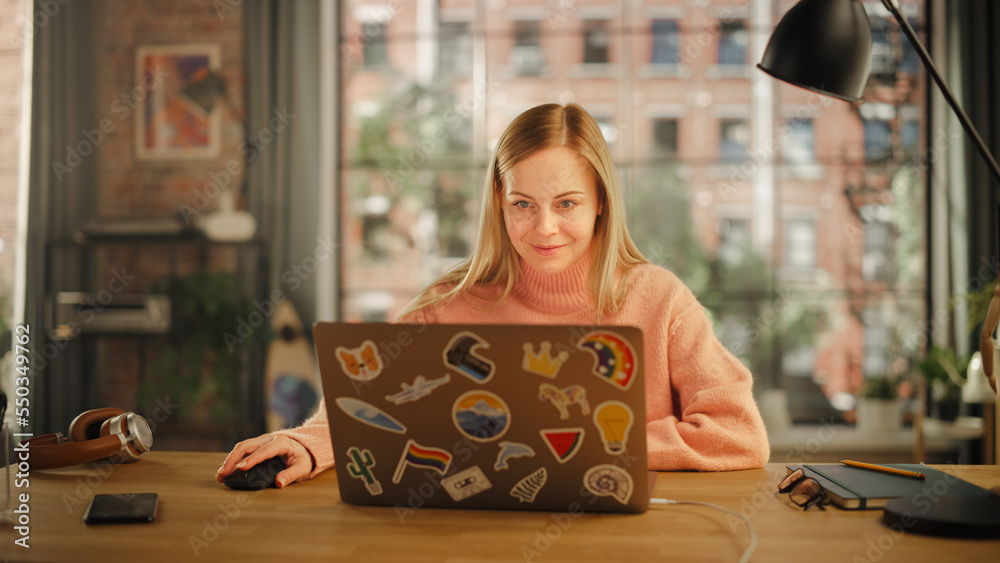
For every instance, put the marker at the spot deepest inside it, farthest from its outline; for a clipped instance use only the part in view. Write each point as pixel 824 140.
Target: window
pixel 666 42
pixel 876 341
pixel 722 201
pixel 734 140
pixel 883 66
pixel 800 243
pixel 878 140
pixel 375 50
pixel 733 39
pixel 665 137
pixel 595 42
pixel 800 142
pixel 876 263
pixel 455 49
pixel 527 57
pixel 734 241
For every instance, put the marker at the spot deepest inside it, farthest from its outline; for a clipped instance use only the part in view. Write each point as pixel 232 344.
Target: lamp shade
pixel 824 46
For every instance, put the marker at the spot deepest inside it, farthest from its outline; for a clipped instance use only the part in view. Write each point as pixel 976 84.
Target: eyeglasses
pixel 803 491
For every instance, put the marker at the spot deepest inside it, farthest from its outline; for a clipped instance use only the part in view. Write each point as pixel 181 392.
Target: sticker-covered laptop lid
pixel 486 416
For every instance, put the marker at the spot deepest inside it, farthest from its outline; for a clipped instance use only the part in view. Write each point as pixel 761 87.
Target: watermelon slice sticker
pixel 562 442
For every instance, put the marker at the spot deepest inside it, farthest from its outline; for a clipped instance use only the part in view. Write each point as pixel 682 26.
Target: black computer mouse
pixel 260 476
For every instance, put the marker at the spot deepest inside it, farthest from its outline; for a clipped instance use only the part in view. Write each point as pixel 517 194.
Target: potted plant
pixel 879 409
pixel 942 371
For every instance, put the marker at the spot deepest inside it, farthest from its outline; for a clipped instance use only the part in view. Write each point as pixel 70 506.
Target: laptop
pixel 521 417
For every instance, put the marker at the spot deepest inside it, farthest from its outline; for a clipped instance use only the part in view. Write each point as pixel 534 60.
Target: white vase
pixel 879 416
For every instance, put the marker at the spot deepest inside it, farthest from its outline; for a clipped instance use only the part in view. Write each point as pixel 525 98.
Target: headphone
pixel 96 434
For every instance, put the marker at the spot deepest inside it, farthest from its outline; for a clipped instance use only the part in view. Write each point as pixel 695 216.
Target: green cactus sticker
pixel 359 467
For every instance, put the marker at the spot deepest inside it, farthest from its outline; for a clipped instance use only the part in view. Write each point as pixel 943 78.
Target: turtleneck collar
pixel 564 292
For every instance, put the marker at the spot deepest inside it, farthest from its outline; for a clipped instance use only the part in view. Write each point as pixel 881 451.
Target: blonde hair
pixel 494 262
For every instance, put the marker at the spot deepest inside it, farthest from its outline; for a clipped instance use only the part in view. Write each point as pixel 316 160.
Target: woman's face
pixel 550 204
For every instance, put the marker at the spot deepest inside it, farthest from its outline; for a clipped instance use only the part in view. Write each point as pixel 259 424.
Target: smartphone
pixel 121 508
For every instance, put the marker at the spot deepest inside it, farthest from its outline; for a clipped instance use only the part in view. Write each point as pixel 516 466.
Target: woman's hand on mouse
pixel 248 453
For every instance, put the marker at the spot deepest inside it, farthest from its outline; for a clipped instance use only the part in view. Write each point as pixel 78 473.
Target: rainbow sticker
pixel 425 457
pixel 615 357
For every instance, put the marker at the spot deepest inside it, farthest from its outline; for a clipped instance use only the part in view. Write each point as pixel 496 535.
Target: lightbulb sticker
pixel 614 420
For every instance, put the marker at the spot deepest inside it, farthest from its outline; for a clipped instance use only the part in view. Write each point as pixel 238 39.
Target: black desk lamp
pixel 825 46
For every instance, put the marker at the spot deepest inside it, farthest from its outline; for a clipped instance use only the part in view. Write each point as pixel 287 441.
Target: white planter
pixel 879 416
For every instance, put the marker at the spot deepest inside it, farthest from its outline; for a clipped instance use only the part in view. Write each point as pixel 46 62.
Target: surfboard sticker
pixel 369 414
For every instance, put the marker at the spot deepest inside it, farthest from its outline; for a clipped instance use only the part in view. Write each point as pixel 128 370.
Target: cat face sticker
pixel 362 363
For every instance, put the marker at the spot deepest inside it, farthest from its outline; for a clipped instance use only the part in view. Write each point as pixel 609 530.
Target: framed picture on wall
pixel 172 125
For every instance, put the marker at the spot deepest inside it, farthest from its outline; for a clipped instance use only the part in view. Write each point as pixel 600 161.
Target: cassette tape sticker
pixel 466 483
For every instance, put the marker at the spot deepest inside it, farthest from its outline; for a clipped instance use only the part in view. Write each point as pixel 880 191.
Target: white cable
pixel 753 531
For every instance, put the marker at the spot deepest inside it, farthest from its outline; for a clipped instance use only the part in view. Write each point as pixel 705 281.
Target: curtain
pixel 61 197
pixel 977 56
pixel 282 53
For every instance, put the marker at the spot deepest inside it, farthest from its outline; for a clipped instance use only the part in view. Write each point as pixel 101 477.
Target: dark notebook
pixel 854 488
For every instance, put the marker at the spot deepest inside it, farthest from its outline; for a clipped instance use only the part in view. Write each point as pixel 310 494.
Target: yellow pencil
pixel 884 469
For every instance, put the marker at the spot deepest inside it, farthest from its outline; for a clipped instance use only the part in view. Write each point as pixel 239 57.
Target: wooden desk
pixel 201 519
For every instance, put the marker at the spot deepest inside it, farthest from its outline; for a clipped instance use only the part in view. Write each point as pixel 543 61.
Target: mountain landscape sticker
pixel 563 442
pixel 481 415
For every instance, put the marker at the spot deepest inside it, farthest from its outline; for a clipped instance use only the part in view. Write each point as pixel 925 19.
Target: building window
pixel 800 142
pixel 666 42
pixel 909 137
pixel 455 49
pixel 595 42
pixel 800 243
pixel 876 263
pixel 733 39
pixel 734 241
pixel 876 339
pixel 375 49
pixel 878 140
pixel 527 57
pixel 665 137
pixel 734 140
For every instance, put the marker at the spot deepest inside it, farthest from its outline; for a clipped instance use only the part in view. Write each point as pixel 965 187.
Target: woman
pixel 553 248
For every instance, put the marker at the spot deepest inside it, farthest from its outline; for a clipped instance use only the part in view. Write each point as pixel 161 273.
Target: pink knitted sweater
pixel 700 410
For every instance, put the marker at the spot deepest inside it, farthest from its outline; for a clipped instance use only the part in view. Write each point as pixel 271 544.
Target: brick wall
pixel 12 34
